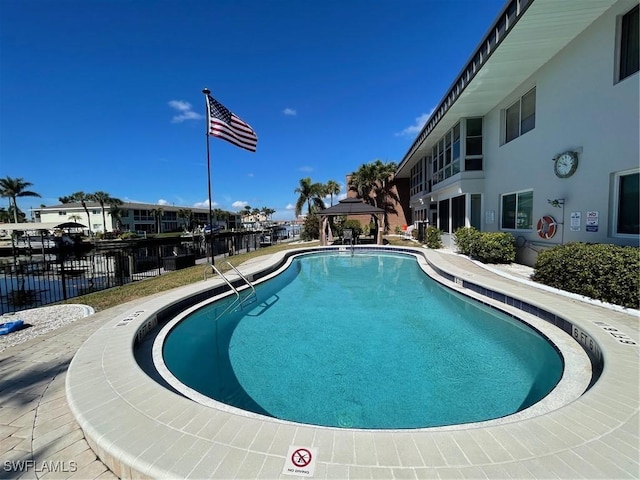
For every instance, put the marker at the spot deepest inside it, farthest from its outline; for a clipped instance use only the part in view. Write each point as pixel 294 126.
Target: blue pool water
pixel 363 341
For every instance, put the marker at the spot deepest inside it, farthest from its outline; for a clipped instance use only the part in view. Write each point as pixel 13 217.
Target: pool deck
pixel 596 436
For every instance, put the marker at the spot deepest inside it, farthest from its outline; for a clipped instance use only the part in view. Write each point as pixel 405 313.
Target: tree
pixel 102 198
pixel 12 188
pixel 186 214
pixel 157 214
pixel 373 182
pixel 117 213
pixel 267 212
pixel 81 198
pixel 310 193
pixel 332 188
pixel 5 217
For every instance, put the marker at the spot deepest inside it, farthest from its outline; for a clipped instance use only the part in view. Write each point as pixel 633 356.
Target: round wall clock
pixel 565 164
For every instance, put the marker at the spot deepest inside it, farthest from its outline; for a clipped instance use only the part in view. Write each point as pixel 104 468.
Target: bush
pixel 488 247
pixel 494 247
pixel 311 227
pixel 604 272
pixel 434 237
pixel 465 238
pixel 128 235
pixel 353 225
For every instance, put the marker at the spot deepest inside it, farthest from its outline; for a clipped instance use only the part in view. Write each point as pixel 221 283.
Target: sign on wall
pixel 575 221
pixel 592 222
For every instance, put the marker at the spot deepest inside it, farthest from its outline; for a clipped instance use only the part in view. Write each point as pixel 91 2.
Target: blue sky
pixel 107 94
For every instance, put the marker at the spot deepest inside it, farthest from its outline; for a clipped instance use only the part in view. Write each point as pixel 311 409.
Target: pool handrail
pixel 241 302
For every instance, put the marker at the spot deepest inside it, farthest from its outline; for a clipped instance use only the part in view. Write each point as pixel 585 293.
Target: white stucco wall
pixel 578 105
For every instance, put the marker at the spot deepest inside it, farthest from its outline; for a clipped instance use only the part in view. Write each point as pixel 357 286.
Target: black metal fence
pixel 33 280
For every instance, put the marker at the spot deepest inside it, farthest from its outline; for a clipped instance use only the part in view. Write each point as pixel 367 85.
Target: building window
pixel 416 178
pixel 446 156
pixel 521 116
pixel 473 144
pixel 517 211
pixel 629 44
pixel 627 199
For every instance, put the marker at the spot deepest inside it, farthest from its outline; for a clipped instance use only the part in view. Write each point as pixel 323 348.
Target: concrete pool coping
pixel 139 428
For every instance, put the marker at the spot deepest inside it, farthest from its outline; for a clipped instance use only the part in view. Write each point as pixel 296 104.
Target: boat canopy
pixel 26 226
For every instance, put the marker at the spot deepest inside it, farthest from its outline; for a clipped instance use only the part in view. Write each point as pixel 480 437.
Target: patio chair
pixel 407 233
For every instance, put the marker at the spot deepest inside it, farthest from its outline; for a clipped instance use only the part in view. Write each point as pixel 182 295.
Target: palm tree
pixel 373 182
pixel 12 188
pixel 81 198
pixel 332 188
pixel 309 193
pixel 117 213
pixel 267 212
pixel 5 217
pixel 102 198
pixel 186 214
pixel 158 213
pixel 246 212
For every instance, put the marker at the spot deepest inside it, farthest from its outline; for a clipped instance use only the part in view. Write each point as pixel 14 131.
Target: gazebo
pixel 350 206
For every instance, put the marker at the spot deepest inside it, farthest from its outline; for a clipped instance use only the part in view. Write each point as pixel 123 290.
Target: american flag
pixel 226 125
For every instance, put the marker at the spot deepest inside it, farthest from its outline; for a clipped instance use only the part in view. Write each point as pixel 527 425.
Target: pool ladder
pixel 240 302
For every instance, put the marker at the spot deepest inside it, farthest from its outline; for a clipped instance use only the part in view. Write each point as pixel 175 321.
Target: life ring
pixel 547 227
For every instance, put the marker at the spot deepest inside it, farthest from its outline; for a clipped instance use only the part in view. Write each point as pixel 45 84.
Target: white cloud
pixel 417 126
pixel 290 112
pixel 162 201
pixel 250 175
pixel 305 168
pixel 186 113
pixel 290 206
pixel 238 204
pixel 204 204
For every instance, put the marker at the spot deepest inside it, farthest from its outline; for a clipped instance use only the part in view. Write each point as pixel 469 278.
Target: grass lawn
pixel 117 295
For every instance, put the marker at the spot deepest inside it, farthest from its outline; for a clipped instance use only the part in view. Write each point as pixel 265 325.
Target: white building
pixel 552 82
pixel 134 217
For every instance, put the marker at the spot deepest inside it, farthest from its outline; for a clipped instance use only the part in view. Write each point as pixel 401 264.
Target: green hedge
pixel 488 247
pixel 434 237
pixel 600 271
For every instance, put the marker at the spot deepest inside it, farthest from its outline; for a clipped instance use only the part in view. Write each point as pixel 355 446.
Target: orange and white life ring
pixel 547 227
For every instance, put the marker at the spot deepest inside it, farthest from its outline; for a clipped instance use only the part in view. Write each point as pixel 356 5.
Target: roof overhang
pixel 23 227
pixel 544 29
pixel 351 206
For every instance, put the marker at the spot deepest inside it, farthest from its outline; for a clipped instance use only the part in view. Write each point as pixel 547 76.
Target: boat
pixel 35 242
pixel 9 327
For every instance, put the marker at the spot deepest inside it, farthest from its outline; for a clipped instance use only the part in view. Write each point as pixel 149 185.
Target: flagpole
pixel 206 91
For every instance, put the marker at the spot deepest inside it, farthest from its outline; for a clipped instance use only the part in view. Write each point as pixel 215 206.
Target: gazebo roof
pixel 351 206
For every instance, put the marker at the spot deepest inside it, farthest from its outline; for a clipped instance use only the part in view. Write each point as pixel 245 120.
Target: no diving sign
pixel 300 461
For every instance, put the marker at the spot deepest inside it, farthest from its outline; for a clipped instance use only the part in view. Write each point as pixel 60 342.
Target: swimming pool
pixel 363 341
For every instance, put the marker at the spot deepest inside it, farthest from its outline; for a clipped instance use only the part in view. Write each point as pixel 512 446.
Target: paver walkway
pixel 39 437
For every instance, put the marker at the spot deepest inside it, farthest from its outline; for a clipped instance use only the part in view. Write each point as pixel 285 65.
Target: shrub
pixel 397 230
pixel 601 271
pixel 353 225
pixel 465 238
pixel 311 227
pixel 488 247
pixel 494 247
pixel 434 237
pixel 128 235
